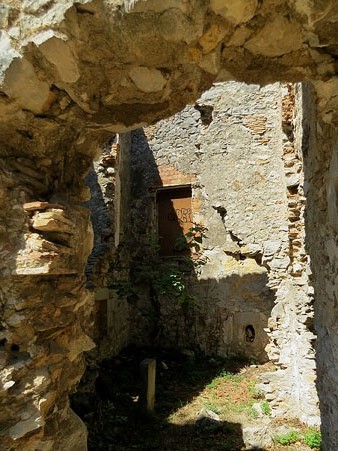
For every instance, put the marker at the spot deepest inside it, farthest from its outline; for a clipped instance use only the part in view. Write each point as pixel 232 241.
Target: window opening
pixel 174 215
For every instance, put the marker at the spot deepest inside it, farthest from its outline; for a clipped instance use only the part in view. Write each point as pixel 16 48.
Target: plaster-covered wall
pixel 240 148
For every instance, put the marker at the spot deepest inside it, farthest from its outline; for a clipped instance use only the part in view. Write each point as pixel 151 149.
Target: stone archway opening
pixel 73 74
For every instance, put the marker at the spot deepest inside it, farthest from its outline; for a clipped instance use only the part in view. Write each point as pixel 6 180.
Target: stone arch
pixel 73 74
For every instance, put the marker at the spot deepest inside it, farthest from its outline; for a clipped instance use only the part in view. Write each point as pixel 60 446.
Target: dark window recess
pixel 174 218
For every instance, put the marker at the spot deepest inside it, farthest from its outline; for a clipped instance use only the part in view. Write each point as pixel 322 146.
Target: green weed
pixel 266 409
pixel 287 439
pixel 312 438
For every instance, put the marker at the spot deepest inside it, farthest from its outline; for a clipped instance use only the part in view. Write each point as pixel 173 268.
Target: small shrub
pixel 287 439
pixel 313 438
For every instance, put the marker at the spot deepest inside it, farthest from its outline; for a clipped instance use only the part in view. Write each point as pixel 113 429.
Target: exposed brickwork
pixel 290 326
pixel 168 175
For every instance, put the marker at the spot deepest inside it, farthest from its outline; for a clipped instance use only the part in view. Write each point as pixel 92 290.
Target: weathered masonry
pixel 72 74
pixel 233 162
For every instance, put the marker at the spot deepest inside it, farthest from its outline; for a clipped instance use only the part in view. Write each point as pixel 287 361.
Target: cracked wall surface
pixel 71 74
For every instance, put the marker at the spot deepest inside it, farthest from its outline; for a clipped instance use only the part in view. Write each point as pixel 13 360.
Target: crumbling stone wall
pixel 291 329
pixel 240 148
pixel 44 302
pixel 109 206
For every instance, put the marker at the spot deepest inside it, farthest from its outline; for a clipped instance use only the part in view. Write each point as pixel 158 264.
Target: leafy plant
pixel 287 439
pixel 313 438
pixel 192 239
pixel 162 277
pixel 170 281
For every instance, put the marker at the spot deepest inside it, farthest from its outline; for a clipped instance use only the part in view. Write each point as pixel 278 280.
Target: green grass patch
pixel 225 376
pixel 231 377
pixel 213 407
pixel 255 393
pixel 214 383
pixel 236 408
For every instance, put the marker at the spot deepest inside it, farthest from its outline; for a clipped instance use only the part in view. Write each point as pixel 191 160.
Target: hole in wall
pixel 249 333
pixel 309 323
pixel 222 211
pixel 15 347
pixel 206 113
pixel 25 133
pixel 293 189
pixel 82 9
pixel 259 258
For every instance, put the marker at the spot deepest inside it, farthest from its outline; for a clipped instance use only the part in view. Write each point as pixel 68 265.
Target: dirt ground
pixel 185 384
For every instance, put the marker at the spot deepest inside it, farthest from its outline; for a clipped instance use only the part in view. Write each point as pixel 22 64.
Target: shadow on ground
pixel 117 422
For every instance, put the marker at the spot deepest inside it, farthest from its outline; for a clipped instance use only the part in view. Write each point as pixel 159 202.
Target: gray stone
pixel 147 80
pixel 271 247
pixel 207 420
pixel 258 435
pixel 292 180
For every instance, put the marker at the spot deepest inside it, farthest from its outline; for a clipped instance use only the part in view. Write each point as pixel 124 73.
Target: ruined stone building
pixel 233 162
pixel 256 166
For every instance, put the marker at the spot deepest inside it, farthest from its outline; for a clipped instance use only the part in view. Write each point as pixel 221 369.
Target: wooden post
pixel 148 372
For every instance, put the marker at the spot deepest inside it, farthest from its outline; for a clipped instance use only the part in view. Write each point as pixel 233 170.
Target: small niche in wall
pixel 249 333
